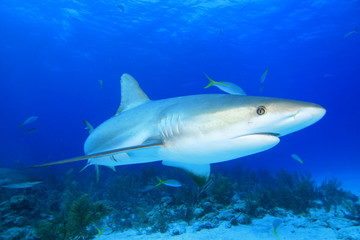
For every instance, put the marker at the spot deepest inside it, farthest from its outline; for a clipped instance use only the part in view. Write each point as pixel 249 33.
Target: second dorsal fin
pixel 131 94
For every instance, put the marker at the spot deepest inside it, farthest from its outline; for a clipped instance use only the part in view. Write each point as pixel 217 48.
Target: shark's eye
pixel 261 110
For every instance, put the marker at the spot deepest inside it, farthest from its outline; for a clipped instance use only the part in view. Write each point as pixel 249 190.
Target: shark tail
pixel 211 82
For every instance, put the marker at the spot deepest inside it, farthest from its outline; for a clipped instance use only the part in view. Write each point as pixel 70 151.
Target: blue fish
pixel 355 31
pixel 169 182
pixel 297 158
pixel 226 87
pixel 276 224
pixel 264 75
pixel 28 121
pixel 30 130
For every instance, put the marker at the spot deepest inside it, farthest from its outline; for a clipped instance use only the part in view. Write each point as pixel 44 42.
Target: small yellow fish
pixel 28 121
pixel 226 87
pixel 99 232
pixel 276 224
pixel 101 83
pixel 169 182
pixel 297 158
pixel 355 31
pixel 30 130
pixel 264 75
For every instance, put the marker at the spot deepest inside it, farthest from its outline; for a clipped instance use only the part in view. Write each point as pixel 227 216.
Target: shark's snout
pixel 312 113
pixel 302 116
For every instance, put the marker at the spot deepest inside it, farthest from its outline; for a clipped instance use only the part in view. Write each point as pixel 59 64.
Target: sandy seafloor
pixel 318 225
pixel 297 228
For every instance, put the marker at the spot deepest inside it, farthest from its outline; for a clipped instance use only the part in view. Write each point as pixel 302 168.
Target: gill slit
pixel 170 126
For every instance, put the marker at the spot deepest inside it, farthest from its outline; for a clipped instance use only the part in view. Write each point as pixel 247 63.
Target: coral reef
pixel 15 216
pixel 72 208
pixel 78 223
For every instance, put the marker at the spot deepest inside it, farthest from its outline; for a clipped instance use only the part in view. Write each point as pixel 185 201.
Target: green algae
pixel 77 223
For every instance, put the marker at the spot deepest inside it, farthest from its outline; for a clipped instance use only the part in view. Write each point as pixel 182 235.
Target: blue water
pixel 53 54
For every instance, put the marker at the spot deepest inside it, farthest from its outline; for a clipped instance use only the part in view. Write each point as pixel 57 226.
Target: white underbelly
pixel 202 150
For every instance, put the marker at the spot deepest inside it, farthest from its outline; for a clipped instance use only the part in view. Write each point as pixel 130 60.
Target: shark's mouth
pixel 260 133
pixel 269 133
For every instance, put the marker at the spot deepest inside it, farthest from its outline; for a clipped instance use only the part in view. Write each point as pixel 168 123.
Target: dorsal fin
pixel 131 94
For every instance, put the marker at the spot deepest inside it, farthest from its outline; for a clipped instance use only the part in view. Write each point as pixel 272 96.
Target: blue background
pixel 53 54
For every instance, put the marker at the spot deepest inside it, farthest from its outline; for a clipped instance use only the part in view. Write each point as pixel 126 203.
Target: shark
pixel 14 178
pixel 192 132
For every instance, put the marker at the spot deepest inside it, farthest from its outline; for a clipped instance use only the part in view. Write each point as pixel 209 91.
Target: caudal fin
pixel 160 181
pixel 211 82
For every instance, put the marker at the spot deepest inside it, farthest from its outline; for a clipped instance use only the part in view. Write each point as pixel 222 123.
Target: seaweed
pixel 331 194
pixel 48 230
pixel 353 211
pixel 252 194
pixel 77 223
pixel 83 214
pixel 296 192
pixel 222 189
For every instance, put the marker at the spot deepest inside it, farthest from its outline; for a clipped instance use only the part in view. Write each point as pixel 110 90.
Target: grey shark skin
pixel 192 132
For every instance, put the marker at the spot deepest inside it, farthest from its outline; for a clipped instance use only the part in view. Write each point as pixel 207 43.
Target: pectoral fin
pixel 199 172
pixel 101 154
